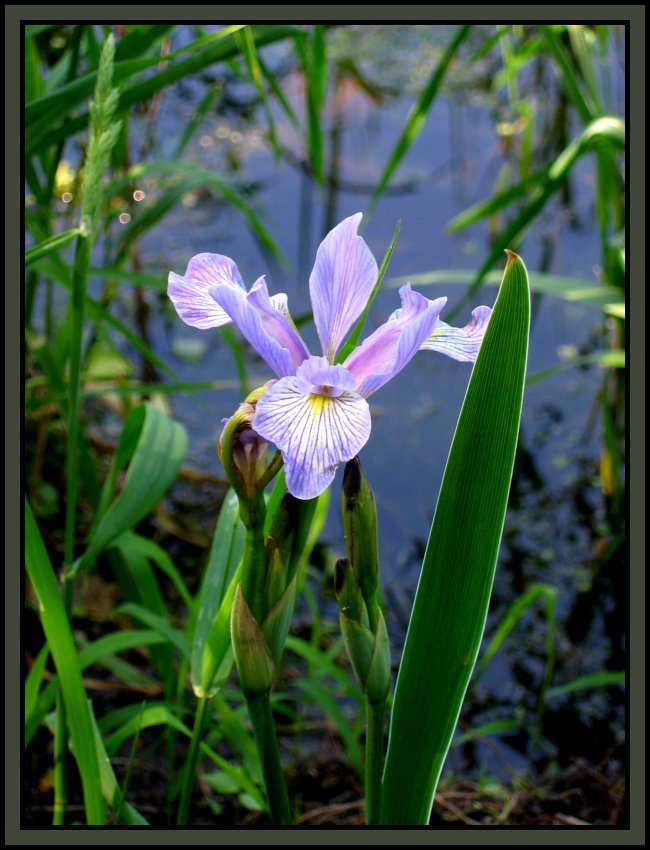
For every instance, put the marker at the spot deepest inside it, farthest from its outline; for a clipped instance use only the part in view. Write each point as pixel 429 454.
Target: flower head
pixel 316 413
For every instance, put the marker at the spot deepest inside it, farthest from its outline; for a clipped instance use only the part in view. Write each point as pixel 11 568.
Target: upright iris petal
pixel 340 284
pixel 316 413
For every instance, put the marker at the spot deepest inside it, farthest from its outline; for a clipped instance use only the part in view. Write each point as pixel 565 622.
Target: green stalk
pixel 253 578
pixel 259 709
pixel 192 759
pixel 79 286
pixel 103 133
pixel 375 718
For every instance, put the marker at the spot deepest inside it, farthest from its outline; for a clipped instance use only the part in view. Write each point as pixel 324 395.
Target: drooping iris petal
pixel 341 282
pixel 460 343
pixel 267 329
pixel 387 351
pixel 190 293
pixel 314 432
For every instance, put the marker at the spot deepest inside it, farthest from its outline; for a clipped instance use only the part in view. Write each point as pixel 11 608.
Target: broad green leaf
pixel 61 643
pixel 158 446
pixel 453 594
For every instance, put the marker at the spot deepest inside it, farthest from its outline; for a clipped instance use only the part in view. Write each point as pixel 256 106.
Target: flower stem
pixel 375 714
pixel 192 759
pixel 254 567
pixel 259 709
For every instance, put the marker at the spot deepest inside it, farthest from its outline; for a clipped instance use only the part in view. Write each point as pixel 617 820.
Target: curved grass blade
pixel 453 593
pixel 210 52
pixel 211 639
pixel 568 288
pixel 158 446
pixel 603 679
pixel 59 638
pixel 93 653
pixel 417 115
pixel 125 812
pixel 162 715
pixel 606 131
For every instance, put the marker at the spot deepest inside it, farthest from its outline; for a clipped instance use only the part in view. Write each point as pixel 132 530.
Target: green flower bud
pixel 360 529
pixel 348 593
pixel 369 654
pixel 252 654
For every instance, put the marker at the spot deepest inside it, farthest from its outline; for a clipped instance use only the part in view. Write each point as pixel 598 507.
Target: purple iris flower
pixel 316 413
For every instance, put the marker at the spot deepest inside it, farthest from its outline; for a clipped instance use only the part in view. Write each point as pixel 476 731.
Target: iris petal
pixel 387 351
pixel 314 432
pixel 266 328
pixel 190 293
pixel 460 343
pixel 341 282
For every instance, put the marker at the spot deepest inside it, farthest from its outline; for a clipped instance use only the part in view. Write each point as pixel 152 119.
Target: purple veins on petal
pixel 460 343
pixel 266 328
pixel 341 282
pixel 314 431
pixel 190 293
pixel 318 375
pixel 387 351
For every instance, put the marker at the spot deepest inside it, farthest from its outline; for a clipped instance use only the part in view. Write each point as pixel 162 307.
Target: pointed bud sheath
pixel 356 587
pixel 277 622
pixel 243 452
pixel 368 650
pixel 360 529
pixel 252 654
pixel 369 654
pixel 289 529
pixel 348 593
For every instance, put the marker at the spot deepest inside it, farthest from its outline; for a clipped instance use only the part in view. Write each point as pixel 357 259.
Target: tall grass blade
pixel 608 131
pixel 418 114
pixel 211 51
pixel 61 643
